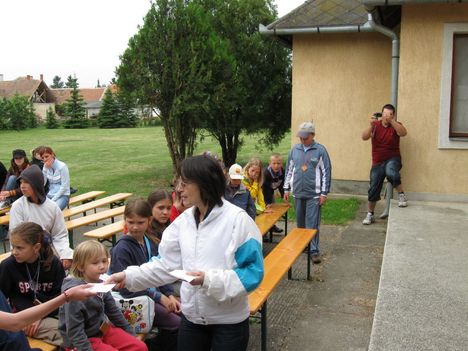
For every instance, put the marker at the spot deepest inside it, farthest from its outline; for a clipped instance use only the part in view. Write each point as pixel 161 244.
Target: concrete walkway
pixel 422 302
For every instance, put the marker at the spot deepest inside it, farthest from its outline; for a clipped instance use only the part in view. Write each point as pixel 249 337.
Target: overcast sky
pixel 63 37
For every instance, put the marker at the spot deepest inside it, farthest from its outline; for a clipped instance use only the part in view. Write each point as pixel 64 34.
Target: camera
pixel 377 115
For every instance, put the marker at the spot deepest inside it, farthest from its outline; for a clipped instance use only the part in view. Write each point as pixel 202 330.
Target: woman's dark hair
pixel 15 170
pixel 32 234
pixel 209 177
pixel 137 207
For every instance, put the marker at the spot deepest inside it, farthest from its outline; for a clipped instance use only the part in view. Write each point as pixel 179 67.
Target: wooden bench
pixel 106 233
pixel 36 343
pixel 4 210
pixel 267 220
pixel 112 200
pixel 86 197
pixel 95 217
pixel 277 263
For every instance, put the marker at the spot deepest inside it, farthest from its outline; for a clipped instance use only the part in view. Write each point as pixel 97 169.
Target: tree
pixel 255 94
pixel 51 120
pixel 72 82
pixel 126 110
pixel 19 113
pixel 74 108
pixel 166 66
pixel 57 83
pixel 108 114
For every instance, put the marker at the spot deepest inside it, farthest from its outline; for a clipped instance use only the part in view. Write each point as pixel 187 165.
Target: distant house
pixel 36 90
pixel 44 97
pixel 351 57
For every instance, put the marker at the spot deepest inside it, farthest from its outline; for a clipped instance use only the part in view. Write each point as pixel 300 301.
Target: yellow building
pixel 351 57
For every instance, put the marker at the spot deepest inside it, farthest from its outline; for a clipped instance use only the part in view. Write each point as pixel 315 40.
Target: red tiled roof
pixel 22 86
pixel 88 94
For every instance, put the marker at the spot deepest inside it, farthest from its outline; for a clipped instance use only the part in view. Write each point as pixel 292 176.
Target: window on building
pixel 459 100
pixel 453 118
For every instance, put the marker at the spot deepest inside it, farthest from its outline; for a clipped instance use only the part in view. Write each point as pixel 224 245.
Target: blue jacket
pixel 241 198
pixel 59 180
pixel 308 173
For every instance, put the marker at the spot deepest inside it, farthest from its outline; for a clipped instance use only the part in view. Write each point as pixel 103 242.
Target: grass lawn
pixel 131 160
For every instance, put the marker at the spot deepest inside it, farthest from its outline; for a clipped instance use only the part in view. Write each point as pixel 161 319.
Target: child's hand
pixel 31 329
pixel 167 302
pixel 176 303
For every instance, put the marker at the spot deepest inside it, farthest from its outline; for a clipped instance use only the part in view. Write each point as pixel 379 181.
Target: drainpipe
pixel 369 26
pixel 395 67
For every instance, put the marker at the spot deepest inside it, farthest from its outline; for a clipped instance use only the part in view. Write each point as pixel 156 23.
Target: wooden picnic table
pixel 86 197
pixel 112 200
pixel 93 218
pixel 267 220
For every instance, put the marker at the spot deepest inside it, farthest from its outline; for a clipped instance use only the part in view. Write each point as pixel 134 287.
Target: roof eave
pixel 408 2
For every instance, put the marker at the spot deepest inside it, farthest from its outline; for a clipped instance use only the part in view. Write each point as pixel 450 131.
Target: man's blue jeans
pixel 308 216
pixel 391 170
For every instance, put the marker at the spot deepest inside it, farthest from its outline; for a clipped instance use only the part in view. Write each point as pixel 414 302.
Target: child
pixel 160 202
pixel 11 190
pixel 33 275
pixel 35 207
pixel 136 249
pixel 178 205
pixel 236 193
pixel 253 179
pixel 57 175
pixel 97 323
pixel 273 180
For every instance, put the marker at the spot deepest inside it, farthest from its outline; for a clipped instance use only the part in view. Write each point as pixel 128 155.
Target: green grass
pixel 136 159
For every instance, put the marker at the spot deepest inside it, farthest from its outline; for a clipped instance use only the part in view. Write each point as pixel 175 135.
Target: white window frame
pixel 445 142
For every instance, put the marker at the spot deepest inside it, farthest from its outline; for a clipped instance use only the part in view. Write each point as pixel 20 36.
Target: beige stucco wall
pixel 40 110
pixel 428 168
pixel 339 80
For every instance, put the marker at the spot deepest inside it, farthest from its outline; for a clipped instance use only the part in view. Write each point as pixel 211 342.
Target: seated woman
pixel 11 190
pixel 56 173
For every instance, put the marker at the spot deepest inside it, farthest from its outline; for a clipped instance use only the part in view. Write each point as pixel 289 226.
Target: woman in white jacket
pixel 221 246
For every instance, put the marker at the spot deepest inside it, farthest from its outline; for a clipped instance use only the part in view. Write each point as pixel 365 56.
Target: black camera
pixel 377 115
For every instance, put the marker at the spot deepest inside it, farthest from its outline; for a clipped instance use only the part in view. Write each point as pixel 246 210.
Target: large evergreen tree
pixel 74 107
pixel 57 83
pixel 108 114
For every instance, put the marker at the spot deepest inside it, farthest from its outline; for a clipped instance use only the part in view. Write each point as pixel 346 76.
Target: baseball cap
pixel 19 153
pixel 305 129
pixel 235 171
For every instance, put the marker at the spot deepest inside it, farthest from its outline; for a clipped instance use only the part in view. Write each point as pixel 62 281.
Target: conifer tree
pixel 108 116
pixel 74 107
pixel 51 120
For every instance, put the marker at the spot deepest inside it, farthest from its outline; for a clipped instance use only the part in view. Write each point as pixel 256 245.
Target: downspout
pixel 395 67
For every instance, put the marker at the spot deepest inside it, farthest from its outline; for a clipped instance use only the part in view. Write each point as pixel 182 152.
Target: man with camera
pixel 384 132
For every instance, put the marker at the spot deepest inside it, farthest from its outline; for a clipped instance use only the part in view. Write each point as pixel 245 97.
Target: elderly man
pixel 308 178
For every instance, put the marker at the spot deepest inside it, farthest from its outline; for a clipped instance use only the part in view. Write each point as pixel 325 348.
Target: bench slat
pixel 35 343
pixel 69 212
pixel 277 263
pixel 106 231
pixel 95 217
pixel 86 196
pixel 265 221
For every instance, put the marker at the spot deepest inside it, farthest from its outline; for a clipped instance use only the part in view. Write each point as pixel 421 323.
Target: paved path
pixel 335 310
pixel 423 295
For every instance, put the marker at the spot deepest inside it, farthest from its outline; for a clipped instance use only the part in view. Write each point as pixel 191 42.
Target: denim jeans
pixel 62 201
pixel 11 183
pixel 308 216
pixel 214 337
pixel 391 170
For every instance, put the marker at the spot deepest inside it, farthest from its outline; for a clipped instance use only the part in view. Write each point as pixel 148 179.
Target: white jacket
pixel 227 246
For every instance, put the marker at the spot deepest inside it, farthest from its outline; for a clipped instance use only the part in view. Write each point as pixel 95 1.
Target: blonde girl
pixel 97 323
pixel 31 276
pixel 253 180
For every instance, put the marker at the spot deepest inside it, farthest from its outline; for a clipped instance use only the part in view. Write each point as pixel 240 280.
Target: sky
pixel 82 38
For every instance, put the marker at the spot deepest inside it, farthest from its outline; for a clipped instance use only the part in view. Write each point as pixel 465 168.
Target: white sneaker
pixel 402 200
pixel 369 219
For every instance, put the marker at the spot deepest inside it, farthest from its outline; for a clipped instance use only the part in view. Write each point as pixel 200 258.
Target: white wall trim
pixel 446 87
